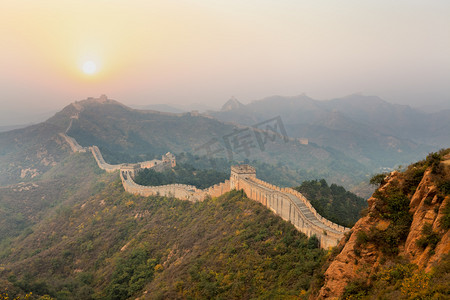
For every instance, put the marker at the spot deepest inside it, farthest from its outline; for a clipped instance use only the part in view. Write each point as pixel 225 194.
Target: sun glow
pixel 89 67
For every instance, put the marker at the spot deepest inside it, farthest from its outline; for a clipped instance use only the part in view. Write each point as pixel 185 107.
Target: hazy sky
pixel 186 51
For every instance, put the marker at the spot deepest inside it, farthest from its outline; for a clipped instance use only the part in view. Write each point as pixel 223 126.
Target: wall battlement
pixel 168 160
pixel 288 203
pixel 74 146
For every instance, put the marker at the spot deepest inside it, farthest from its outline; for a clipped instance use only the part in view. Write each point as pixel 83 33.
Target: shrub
pixel 389 240
pixel 313 242
pixel 433 160
pixel 364 212
pixel 356 289
pixel 429 237
pixel 445 220
pixel 397 205
pixel 361 238
pixel 182 173
pixel 5 296
pixel 397 273
pixel 444 187
pixel 131 274
pixel 417 286
pixel 428 200
pixel 397 210
pixel 413 175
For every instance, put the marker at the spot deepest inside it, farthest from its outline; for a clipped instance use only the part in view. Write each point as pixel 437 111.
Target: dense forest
pixel 119 246
pixel 182 173
pixel 333 201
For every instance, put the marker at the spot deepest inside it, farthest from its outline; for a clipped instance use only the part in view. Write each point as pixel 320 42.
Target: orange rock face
pixel 359 260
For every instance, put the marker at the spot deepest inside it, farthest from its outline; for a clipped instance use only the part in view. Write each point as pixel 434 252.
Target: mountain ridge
pixel 88 231
pixel 367 127
pixel 89 242
pixel 126 135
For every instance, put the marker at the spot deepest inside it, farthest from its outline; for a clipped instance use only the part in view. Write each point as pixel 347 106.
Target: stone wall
pixel 219 189
pixel 150 164
pixel 305 201
pixel 180 191
pixel 289 204
pixel 72 143
pixel 292 206
pixel 102 164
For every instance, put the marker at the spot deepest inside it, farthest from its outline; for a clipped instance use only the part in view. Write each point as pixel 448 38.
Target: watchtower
pixel 130 169
pixel 169 159
pixel 238 172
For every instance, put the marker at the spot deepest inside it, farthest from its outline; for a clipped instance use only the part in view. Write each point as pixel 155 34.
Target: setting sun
pixel 89 67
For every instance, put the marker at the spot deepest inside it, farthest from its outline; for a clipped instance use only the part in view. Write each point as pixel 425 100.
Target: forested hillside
pixel 69 230
pixel 182 173
pixel 367 128
pixel 127 135
pixel 26 205
pixel 108 244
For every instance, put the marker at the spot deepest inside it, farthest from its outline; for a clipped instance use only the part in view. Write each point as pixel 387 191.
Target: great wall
pixel 289 204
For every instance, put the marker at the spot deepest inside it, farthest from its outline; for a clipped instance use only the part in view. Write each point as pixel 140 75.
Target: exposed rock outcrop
pixel 422 236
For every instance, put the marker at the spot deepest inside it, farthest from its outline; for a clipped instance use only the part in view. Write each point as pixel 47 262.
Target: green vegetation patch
pixel 403 281
pixel 23 206
pixel 182 173
pixel 429 237
pixel 414 173
pixel 445 221
pixel 378 179
pixel 118 246
pixel 131 274
pixel 395 208
pixel 333 202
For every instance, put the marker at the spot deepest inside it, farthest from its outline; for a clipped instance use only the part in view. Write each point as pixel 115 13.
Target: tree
pixel 378 179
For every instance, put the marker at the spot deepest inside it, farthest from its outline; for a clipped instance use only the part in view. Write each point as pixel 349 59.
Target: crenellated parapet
pixel 102 164
pixel 288 203
pixel 74 146
pixel 219 189
pixel 240 171
pixel 313 210
pixel 180 191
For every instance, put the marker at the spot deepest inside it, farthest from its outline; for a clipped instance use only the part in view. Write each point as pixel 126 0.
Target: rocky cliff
pixel 395 248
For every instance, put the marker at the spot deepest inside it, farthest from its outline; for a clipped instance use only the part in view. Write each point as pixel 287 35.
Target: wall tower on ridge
pixel 240 171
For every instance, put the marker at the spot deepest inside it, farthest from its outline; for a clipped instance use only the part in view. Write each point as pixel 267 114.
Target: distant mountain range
pixel 128 135
pixel 69 230
pixel 174 108
pixel 364 127
pixel 18 118
pixel 12 127
pixel 288 139
pixel 159 107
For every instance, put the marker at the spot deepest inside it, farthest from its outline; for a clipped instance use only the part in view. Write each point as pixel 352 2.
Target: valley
pixel 285 202
pixel 74 222
pixel 286 150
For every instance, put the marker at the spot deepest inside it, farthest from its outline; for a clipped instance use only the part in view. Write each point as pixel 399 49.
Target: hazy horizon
pixel 195 51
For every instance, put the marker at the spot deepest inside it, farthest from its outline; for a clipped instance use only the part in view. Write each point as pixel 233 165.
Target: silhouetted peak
pixel 232 104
